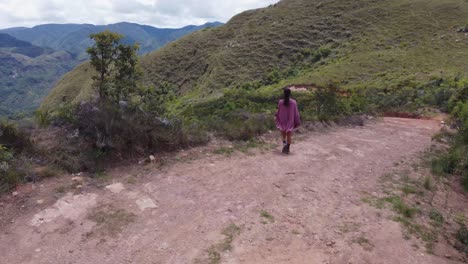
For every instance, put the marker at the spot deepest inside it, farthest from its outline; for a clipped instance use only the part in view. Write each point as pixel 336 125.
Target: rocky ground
pixel 219 205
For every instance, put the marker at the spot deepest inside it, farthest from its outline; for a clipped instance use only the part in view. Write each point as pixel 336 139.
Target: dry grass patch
pixel 110 221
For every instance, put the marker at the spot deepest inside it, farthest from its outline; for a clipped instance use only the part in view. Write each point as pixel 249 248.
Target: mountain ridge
pixel 28 71
pixel 74 37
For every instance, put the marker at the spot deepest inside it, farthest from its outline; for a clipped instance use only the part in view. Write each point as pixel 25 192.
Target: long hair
pixel 287 96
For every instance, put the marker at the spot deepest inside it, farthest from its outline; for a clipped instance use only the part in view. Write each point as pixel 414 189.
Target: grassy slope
pixel 374 42
pixel 415 39
pixel 74 87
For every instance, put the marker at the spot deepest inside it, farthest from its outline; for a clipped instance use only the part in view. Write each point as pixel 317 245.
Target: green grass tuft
pixel 267 216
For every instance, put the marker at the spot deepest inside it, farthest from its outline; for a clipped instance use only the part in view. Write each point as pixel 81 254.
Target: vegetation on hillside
pixel 13 143
pixel 124 119
pixel 354 56
pixel 455 160
pixel 28 72
pixel 368 44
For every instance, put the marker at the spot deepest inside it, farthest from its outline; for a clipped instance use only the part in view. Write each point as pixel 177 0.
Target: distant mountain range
pixel 33 59
pixel 74 38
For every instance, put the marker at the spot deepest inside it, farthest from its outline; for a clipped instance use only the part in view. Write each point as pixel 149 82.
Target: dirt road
pixel 263 208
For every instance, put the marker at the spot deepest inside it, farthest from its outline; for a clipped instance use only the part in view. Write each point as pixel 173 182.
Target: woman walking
pixel 287 119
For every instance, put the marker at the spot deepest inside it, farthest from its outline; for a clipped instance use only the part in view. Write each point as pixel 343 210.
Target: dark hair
pixel 287 96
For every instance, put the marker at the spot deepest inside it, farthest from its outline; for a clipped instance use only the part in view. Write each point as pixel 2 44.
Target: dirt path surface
pixel 264 208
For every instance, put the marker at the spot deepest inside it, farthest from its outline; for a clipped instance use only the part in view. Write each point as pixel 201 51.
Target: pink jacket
pixel 287 117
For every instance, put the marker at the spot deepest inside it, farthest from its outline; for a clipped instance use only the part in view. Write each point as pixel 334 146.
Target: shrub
pixel 446 163
pixel 401 207
pixel 329 105
pixel 436 217
pixel 244 126
pixel 129 131
pixel 9 177
pixel 42 117
pixel 462 237
pixel 465 179
pixel 14 138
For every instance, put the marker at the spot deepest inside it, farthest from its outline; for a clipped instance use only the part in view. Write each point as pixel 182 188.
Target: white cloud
pixel 160 13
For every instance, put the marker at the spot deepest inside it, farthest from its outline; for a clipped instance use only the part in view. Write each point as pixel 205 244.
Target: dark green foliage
pixel 14 138
pixel 13 141
pixel 436 217
pixel 447 163
pixel 154 100
pixel 455 160
pixel 307 56
pixel 462 237
pixel 243 126
pixel 401 207
pixel 7 177
pixel 394 93
pixel 328 103
pixel 126 77
pixel 115 64
pixel 129 131
pixel 460 113
pixel 42 118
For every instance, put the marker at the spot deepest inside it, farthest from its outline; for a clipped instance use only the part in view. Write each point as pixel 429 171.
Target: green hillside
pixel 352 43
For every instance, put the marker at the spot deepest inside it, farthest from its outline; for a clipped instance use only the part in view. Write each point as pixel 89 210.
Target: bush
pixel 14 138
pixel 460 114
pixel 446 163
pixel 9 177
pixel 42 117
pixel 244 126
pixel 462 237
pixel 13 142
pixel 436 217
pixel 455 161
pixel 130 131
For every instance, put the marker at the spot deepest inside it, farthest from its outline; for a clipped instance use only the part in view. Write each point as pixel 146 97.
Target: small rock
pixel 38 250
pixel 152 159
pixel 146 203
pixel 448 256
pixel 330 243
pixel 77 179
pixel 14 194
pixel 116 187
pixel 40 201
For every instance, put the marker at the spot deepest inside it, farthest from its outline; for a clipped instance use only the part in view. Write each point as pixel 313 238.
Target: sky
pixel 159 13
